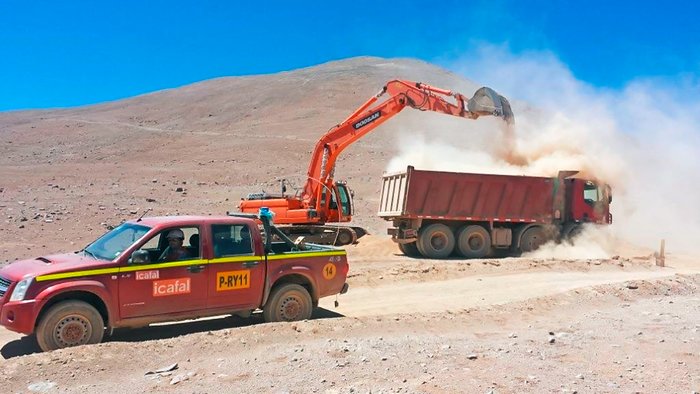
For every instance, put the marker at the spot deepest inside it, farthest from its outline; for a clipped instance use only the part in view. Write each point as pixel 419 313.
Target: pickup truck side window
pixel 231 240
pixel 172 244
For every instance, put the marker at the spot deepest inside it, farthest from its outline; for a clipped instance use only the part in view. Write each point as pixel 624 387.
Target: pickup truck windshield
pixel 113 244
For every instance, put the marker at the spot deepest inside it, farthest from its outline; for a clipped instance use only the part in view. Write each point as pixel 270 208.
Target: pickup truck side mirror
pixel 140 257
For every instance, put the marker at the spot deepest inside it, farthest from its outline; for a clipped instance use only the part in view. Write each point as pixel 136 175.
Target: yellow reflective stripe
pixel 183 263
pixel 306 254
pixel 234 259
pixel 77 274
pixel 288 255
pixel 115 270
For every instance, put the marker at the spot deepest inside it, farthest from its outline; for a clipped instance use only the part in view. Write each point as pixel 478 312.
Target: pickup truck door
pixel 236 273
pixel 158 288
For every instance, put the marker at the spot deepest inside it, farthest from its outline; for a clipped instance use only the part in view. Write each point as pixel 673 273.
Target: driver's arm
pixel 164 255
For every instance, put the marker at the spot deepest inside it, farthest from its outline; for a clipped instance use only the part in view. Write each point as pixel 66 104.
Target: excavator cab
pixel 345 196
pixel 341 205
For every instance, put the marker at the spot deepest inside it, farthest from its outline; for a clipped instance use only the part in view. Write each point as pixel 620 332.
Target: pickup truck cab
pixel 130 277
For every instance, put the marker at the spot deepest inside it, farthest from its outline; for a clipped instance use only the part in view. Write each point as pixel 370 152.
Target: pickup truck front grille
pixel 4 285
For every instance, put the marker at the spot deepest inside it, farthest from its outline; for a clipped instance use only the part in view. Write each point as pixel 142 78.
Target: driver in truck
pixel 175 251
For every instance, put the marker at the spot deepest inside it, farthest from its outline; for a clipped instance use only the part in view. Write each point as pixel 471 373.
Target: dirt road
pixel 406 294
pixel 470 292
pixel 586 326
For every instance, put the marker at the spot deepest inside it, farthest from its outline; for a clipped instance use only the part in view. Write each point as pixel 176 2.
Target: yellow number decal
pixel 329 271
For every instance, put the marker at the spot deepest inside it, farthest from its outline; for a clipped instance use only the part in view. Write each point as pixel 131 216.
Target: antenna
pixel 144 214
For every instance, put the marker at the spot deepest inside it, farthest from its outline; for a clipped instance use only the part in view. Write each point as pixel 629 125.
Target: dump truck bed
pixel 418 194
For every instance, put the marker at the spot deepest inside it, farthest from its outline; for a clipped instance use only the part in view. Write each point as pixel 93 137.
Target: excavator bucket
pixel 487 102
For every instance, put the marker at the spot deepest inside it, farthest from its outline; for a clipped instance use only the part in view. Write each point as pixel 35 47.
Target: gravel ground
pixel 641 336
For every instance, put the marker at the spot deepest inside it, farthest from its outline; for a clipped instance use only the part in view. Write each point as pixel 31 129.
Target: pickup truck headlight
pixel 20 290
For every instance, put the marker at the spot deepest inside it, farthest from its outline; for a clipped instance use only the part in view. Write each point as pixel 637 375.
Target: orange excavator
pixel 323 200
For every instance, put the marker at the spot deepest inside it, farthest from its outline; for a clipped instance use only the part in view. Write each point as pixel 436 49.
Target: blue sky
pixel 68 53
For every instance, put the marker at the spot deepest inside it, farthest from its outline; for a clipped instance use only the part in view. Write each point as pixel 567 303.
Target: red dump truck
pixel 436 214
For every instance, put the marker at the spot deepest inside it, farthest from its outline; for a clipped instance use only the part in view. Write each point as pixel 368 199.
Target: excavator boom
pixel 320 198
pixel 368 116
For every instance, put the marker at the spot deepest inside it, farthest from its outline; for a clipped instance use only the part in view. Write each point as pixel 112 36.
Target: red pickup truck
pixel 130 277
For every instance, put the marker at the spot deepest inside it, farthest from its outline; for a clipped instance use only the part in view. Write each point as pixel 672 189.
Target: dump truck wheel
pixel 436 241
pixel 410 249
pixel 69 323
pixel 571 231
pixel 532 239
pixel 288 302
pixel 474 242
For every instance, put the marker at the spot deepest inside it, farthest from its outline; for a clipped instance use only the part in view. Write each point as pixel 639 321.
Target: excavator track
pixel 324 235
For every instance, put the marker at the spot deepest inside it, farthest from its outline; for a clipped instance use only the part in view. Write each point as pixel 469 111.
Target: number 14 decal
pixel 329 271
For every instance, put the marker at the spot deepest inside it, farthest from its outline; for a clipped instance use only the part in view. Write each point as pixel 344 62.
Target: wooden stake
pixel 661 257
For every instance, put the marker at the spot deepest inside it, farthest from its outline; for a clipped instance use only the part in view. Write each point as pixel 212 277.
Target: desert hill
pixel 68 171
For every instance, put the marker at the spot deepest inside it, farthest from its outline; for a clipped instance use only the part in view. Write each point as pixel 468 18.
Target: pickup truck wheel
pixel 288 302
pixel 532 239
pixel 69 323
pixel 409 249
pixel 474 242
pixel 436 241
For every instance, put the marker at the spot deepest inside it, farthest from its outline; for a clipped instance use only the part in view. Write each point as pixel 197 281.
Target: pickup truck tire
pixel 473 242
pixel 69 323
pixel 410 249
pixel 436 241
pixel 288 302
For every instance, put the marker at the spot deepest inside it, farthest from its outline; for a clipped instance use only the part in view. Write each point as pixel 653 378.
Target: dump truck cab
pixel 588 201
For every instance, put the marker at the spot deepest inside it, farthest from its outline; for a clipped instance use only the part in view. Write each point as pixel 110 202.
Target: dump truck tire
pixel 571 231
pixel 69 323
pixel 474 242
pixel 410 249
pixel 532 238
pixel 288 302
pixel 436 241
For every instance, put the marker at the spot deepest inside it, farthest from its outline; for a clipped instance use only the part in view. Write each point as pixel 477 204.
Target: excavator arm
pixel 371 114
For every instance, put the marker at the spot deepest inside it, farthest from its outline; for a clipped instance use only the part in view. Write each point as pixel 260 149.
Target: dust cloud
pixel 642 139
pixel 591 243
